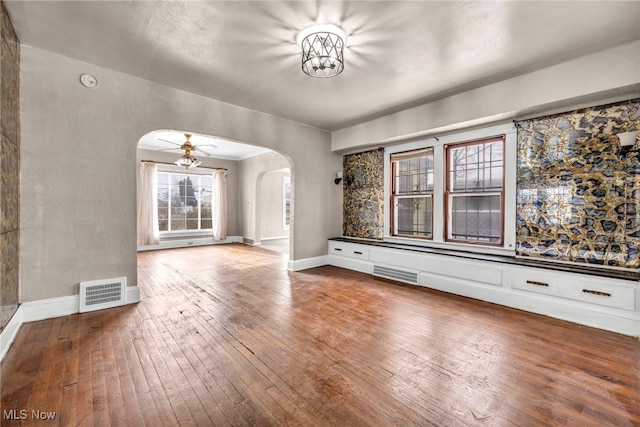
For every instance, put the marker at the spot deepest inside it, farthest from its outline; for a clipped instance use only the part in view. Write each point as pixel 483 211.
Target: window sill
pixel 463 247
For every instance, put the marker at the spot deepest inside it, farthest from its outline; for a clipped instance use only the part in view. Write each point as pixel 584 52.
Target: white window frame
pixel 286 181
pixel 438 225
pixel 174 169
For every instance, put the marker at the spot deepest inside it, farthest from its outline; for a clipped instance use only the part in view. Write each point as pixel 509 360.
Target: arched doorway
pixel 245 164
pixel 273 209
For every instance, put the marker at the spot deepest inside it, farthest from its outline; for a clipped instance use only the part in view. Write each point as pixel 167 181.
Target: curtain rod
pixel 173 164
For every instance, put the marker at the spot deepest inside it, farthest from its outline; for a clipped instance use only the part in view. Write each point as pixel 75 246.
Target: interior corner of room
pixel 502 167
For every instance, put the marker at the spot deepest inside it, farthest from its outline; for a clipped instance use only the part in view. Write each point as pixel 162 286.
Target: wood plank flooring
pixel 225 335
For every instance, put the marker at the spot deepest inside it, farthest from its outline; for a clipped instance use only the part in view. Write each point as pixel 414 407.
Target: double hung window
pixel 184 201
pixel 475 191
pixel 412 193
pixel 449 193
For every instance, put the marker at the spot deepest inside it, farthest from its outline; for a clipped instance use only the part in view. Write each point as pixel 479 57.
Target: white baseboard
pixel 9 332
pixel 132 295
pixel 188 242
pixel 33 311
pixel 303 264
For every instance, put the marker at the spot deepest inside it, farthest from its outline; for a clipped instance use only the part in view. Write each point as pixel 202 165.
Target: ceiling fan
pixel 188 160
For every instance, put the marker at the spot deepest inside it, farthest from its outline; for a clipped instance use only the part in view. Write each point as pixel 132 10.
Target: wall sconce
pixel 338 177
pixel 627 138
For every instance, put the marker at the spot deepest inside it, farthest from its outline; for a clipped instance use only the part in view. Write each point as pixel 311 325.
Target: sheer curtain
pixel 219 202
pixel 148 232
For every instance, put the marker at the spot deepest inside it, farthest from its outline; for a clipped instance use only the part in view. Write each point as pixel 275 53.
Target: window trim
pixel 506 128
pixel 407 155
pixel 175 170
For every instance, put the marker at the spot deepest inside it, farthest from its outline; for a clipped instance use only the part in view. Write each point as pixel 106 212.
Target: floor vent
pixel 394 274
pixel 99 294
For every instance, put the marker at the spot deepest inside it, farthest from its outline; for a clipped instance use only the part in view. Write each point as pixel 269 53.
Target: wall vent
pixel 394 274
pixel 105 293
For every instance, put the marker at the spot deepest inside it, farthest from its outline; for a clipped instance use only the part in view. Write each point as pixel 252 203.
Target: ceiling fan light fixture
pixel 322 50
pixel 187 160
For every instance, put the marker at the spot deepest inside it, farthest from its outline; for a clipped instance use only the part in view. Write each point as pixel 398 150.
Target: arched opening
pixel 273 209
pixel 183 194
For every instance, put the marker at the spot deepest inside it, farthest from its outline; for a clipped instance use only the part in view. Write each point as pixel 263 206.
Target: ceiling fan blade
pixel 170 142
pixel 200 152
pixel 207 145
pixel 175 150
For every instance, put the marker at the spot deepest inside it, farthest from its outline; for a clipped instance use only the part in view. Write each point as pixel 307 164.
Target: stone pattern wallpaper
pixel 9 168
pixel 363 194
pixel 578 191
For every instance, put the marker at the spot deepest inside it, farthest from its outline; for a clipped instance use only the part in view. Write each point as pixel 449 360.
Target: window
pixel 286 202
pixel 452 191
pixel 475 192
pixel 412 194
pixel 184 201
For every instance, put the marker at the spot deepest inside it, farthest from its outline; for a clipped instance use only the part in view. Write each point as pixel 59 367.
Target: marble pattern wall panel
pixel 363 195
pixel 9 168
pixel 578 198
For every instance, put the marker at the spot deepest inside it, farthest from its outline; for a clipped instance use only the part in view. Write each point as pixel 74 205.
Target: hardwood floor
pixel 225 335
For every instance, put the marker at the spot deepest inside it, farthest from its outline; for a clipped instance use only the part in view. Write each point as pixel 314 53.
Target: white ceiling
pixel 399 54
pixel 206 146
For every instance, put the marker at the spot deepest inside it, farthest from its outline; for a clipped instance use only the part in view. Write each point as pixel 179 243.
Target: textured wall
pixel 10 169
pixel 363 196
pixel 251 171
pixel 578 194
pixel 78 213
pixel 271 213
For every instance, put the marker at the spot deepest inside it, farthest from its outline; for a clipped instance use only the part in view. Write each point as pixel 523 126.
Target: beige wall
pixel 270 213
pixel 78 153
pixel 78 189
pixel 232 181
pixel 251 173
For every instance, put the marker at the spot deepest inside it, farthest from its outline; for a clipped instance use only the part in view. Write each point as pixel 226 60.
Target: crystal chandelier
pixel 322 50
pixel 187 160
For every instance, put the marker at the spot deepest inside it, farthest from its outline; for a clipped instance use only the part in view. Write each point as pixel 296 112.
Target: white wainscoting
pixel 592 300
